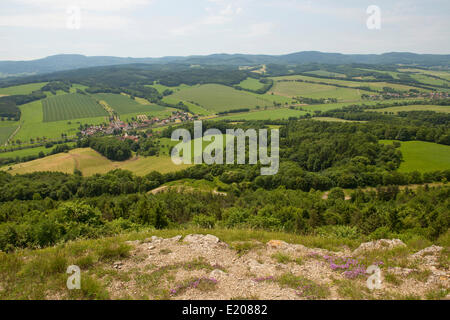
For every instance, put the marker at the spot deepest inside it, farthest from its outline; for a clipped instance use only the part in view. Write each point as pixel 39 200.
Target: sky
pixel 31 29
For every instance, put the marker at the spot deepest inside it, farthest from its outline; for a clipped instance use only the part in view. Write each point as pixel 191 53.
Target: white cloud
pixel 259 30
pixel 59 21
pixel 90 5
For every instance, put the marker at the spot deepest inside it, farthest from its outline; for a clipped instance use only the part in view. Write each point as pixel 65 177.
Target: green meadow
pixel 22 89
pixel 423 156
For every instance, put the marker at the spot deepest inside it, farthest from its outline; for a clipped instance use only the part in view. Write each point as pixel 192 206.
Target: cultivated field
pixel 423 156
pixel 71 106
pixel 22 89
pixel 90 162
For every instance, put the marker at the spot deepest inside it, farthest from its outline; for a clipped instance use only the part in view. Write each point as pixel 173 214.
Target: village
pixel 119 127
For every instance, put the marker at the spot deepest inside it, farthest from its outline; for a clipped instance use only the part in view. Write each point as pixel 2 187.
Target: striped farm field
pixel 71 106
pixel 123 104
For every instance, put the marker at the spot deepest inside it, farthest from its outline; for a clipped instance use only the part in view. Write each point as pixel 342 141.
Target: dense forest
pixel 116 202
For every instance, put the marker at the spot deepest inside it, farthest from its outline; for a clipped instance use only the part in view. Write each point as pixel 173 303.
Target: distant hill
pixel 74 61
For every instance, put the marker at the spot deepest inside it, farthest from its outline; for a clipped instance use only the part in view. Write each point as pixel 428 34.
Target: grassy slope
pixel 41 274
pixel 423 156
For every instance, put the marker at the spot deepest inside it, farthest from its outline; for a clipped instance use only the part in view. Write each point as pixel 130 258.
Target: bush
pixel 204 221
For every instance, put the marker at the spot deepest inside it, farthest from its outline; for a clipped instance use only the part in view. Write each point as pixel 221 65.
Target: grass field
pixel 90 162
pixel 251 84
pixel 219 98
pixel 22 89
pixel 423 156
pixel 272 114
pixel 316 91
pixel 71 106
pixel 125 105
pixel 442 109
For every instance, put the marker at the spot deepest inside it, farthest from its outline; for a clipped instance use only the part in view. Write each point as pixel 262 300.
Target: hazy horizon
pixel 34 29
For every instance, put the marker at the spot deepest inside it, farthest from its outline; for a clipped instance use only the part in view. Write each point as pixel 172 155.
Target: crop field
pixel 316 91
pixel 22 89
pixel 273 114
pixel 90 162
pixel 219 98
pixel 71 106
pixel 442 109
pixel 251 84
pixel 124 105
pixel 423 156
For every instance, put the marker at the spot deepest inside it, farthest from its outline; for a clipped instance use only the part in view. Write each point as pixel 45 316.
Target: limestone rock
pixel 383 244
